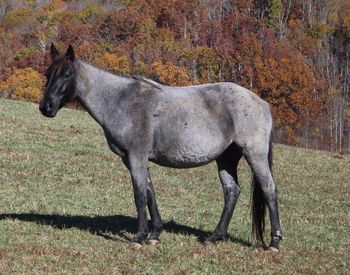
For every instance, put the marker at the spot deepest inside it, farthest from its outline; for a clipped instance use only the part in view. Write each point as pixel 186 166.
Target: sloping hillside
pixel 67 206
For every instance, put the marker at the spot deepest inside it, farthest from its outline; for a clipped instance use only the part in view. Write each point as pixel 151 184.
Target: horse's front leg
pixel 138 171
pixel 154 212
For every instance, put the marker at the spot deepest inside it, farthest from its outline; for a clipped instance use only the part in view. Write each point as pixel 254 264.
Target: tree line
pixel 293 53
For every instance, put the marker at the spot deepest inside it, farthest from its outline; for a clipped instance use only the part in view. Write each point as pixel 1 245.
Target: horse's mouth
pixel 49 114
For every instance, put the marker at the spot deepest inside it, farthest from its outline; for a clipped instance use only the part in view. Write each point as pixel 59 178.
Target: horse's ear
pixel 70 53
pixel 53 51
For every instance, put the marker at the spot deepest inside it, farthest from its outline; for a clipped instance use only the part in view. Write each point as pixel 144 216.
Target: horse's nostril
pixel 49 107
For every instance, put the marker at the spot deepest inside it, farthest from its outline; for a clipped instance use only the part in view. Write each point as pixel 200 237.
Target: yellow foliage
pixel 4 36
pixel 85 14
pixel 171 74
pixel 207 64
pixel 148 26
pixel 319 30
pixel 141 68
pixel 16 17
pixel 346 22
pixel 25 84
pixel 113 63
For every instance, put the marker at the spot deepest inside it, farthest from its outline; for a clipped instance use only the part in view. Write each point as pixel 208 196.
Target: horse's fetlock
pixel 278 235
pixel 140 237
pixel 158 226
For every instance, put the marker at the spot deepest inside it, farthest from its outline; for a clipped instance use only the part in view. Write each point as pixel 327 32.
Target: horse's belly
pixel 186 153
pixel 180 157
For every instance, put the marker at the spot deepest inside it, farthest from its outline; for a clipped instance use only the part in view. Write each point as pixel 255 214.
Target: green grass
pixel 67 206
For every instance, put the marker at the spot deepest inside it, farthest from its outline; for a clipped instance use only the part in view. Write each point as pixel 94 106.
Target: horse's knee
pixel 232 191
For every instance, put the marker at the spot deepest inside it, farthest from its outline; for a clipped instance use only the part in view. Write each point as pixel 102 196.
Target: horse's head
pixel 60 85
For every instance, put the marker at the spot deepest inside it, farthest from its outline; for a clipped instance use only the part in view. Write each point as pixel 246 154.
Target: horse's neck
pixel 96 89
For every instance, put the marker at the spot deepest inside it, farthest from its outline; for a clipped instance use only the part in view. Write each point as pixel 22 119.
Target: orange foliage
pixel 53 5
pixel 89 52
pixel 113 63
pixel 300 38
pixel 288 85
pixel 25 84
pixel 171 74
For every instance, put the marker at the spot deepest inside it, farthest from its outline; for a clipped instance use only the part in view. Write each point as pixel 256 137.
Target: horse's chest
pixel 116 149
pixel 114 145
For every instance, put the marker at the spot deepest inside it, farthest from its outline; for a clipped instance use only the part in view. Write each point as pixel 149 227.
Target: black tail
pixel 259 204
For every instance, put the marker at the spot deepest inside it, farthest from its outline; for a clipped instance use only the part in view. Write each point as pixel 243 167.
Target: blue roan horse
pixel 179 127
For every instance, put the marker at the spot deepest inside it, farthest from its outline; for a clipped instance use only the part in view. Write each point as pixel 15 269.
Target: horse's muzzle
pixel 47 108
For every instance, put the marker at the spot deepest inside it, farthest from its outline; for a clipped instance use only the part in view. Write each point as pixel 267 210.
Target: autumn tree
pixel 25 84
pixel 114 63
pixel 170 74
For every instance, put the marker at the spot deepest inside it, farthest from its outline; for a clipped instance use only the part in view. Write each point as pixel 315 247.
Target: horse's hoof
pixel 153 242
pixel 136 245
pixel 273 249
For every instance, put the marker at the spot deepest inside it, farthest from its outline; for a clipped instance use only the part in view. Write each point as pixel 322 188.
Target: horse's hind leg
pixel 227 166
pixel 154 213
pixel 264 192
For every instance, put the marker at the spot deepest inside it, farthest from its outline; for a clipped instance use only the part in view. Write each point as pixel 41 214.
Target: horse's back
pixel 237 109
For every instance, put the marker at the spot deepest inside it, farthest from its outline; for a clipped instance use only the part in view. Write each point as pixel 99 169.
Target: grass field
pixel 67 207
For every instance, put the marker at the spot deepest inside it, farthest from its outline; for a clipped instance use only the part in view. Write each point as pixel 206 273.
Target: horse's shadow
pixel 105 226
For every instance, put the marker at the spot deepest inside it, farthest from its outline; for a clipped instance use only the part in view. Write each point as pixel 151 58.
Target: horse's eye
pixel 66 76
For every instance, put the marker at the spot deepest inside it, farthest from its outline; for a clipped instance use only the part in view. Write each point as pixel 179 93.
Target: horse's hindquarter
pixel 194 125
pixel 252 118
